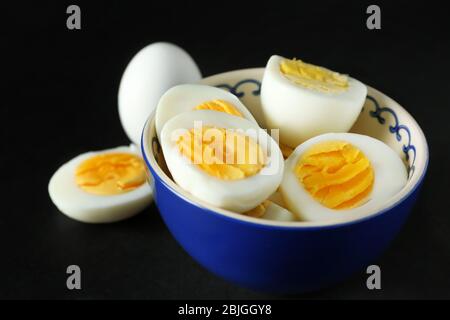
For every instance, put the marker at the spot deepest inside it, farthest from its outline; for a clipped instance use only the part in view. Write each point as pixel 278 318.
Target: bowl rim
pixel 149 158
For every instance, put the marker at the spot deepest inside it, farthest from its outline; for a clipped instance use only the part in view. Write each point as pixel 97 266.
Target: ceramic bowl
pixel 289 257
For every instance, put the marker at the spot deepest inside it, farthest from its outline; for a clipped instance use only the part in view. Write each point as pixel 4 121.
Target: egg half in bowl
pixel 340 177
pixel 222 159
pixel 303 100
pixel 280 256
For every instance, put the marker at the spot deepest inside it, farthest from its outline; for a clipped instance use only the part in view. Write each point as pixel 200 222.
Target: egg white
pixel 235 195
pixel 277 213
pixel 80 205
pixel 389 171
pixel 186 97
pixel 152 71
pixel 301 113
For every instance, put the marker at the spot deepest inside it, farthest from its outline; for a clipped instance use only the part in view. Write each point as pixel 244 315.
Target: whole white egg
pixel 151 72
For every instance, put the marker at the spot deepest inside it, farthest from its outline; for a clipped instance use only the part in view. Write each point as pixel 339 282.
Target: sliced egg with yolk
pixel 102 186
pixel 192 97
pixel 223 160
pixel 340 177
pixel 303 100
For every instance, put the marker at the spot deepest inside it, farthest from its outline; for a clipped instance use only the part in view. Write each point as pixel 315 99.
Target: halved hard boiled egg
pixel 102 186
pixel 192 97
pixel 224 160
pixel 340 177
pixel 304 100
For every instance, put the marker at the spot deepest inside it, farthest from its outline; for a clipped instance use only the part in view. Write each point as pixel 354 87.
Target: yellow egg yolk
pixel 313 77
pixel 219 105
pixel 336 173
pixel 258 211
pixel 110 173
pixel 222 153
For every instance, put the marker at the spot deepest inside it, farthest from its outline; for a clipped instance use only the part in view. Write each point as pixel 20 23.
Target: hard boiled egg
pixel 269 210
pixel 153 70
pixel 189 97
pixel 340 177
pixel 304 100
pixel 102 186
pixel 224 160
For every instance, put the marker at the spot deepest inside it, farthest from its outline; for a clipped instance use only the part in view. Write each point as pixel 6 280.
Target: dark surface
pixel 64 86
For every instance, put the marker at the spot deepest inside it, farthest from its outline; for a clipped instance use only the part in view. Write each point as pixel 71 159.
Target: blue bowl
pixel 289 257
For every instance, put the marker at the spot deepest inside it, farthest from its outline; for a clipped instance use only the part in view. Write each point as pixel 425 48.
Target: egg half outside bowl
pixel 280 256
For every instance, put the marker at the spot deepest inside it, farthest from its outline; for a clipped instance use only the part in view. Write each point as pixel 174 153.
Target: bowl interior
pixel 381 118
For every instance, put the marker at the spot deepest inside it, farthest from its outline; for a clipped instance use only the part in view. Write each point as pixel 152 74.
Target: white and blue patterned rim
pixel 396 128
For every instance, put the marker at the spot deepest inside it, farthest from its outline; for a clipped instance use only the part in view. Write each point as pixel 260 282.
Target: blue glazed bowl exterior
pixel 277 259
pixel 284 258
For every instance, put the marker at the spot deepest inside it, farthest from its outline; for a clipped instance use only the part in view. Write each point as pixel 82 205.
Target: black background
pixel 63 86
